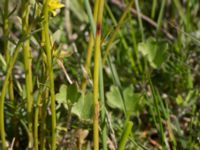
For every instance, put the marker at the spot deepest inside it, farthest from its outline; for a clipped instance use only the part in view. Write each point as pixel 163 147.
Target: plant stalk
pixel 140 19
pixel 3 94
pixel 7 57
pixel 103 110
pixel 96 75
pixel 47 46
pixel 36 118
pixel 125 135
pixel 28 69
pixel 116 31
pixel 153 9
pixel 90 46
pixel 43 119
pixel 6 51
pixel 160 17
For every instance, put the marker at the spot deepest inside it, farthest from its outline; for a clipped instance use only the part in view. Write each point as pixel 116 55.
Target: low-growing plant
pixel 96 74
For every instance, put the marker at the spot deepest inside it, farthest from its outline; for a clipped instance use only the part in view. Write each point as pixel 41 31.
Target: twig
pixel 59 62
pixel 12 144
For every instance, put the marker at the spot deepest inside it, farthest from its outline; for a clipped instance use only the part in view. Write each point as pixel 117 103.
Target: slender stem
pixel 7 57
pixel 90 47
pixel 45 97
pixel 43 119
pixel 93 20
pixel 143 17
pixel 140 19
pixel 125 135
pixel 36 125
pixel 153 10
pixel 135 45
pixel 87 63
pixel 50 71
pixel 124 43
pixel 188 16
pixel 91 17
pixel 160 17
pixel 68 25
pixel 96 75
pixel 39 103
pixel 36 117
pixel 5 30
pixel 28 70
pixel 103 110
pixel 156 105
pixel 3 94
pixel 116 31
pixel 6 51
pixel 181 13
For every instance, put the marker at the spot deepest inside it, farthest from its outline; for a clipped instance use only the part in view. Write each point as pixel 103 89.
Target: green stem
pixel 7 57
pixel 90 45
pixel 50 71
pixel 116 31
pixel 125 135
pixel 96 75
pixel 43 119
pixel 91 17
pixel 6 52
pixel 125 44
pixel 93 20
pixel 45 97
pixel 153 10
pixel 3 93
pixel 156 105
pixel 181 13
pixel 36 117
pixel 140 19
pixel 28 70
pixel 160 17
pixel 5 30
pixel 87 63
pixel 103 110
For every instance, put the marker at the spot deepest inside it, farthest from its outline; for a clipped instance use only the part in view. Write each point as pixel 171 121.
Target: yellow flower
pixel 53 5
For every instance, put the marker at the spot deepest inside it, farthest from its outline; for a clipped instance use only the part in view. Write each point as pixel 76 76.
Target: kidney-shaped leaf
pixel 132 101
pixel 154 51
pixel 114 98
pixel 67 95
pixel 83 108
pixel 73 94
pixel 61 97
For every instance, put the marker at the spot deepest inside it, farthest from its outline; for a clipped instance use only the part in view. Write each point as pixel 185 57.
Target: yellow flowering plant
pixel 54 5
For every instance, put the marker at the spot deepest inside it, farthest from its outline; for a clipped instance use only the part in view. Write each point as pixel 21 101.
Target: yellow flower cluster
pixel 53 5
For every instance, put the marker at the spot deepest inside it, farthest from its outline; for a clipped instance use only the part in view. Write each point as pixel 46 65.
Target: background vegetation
pixel 95 74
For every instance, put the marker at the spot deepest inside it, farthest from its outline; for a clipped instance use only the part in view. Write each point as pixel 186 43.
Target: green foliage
pixel 130 102
pixel 154 51
pixel 80 105
pixel 148 75
pixel 83 108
